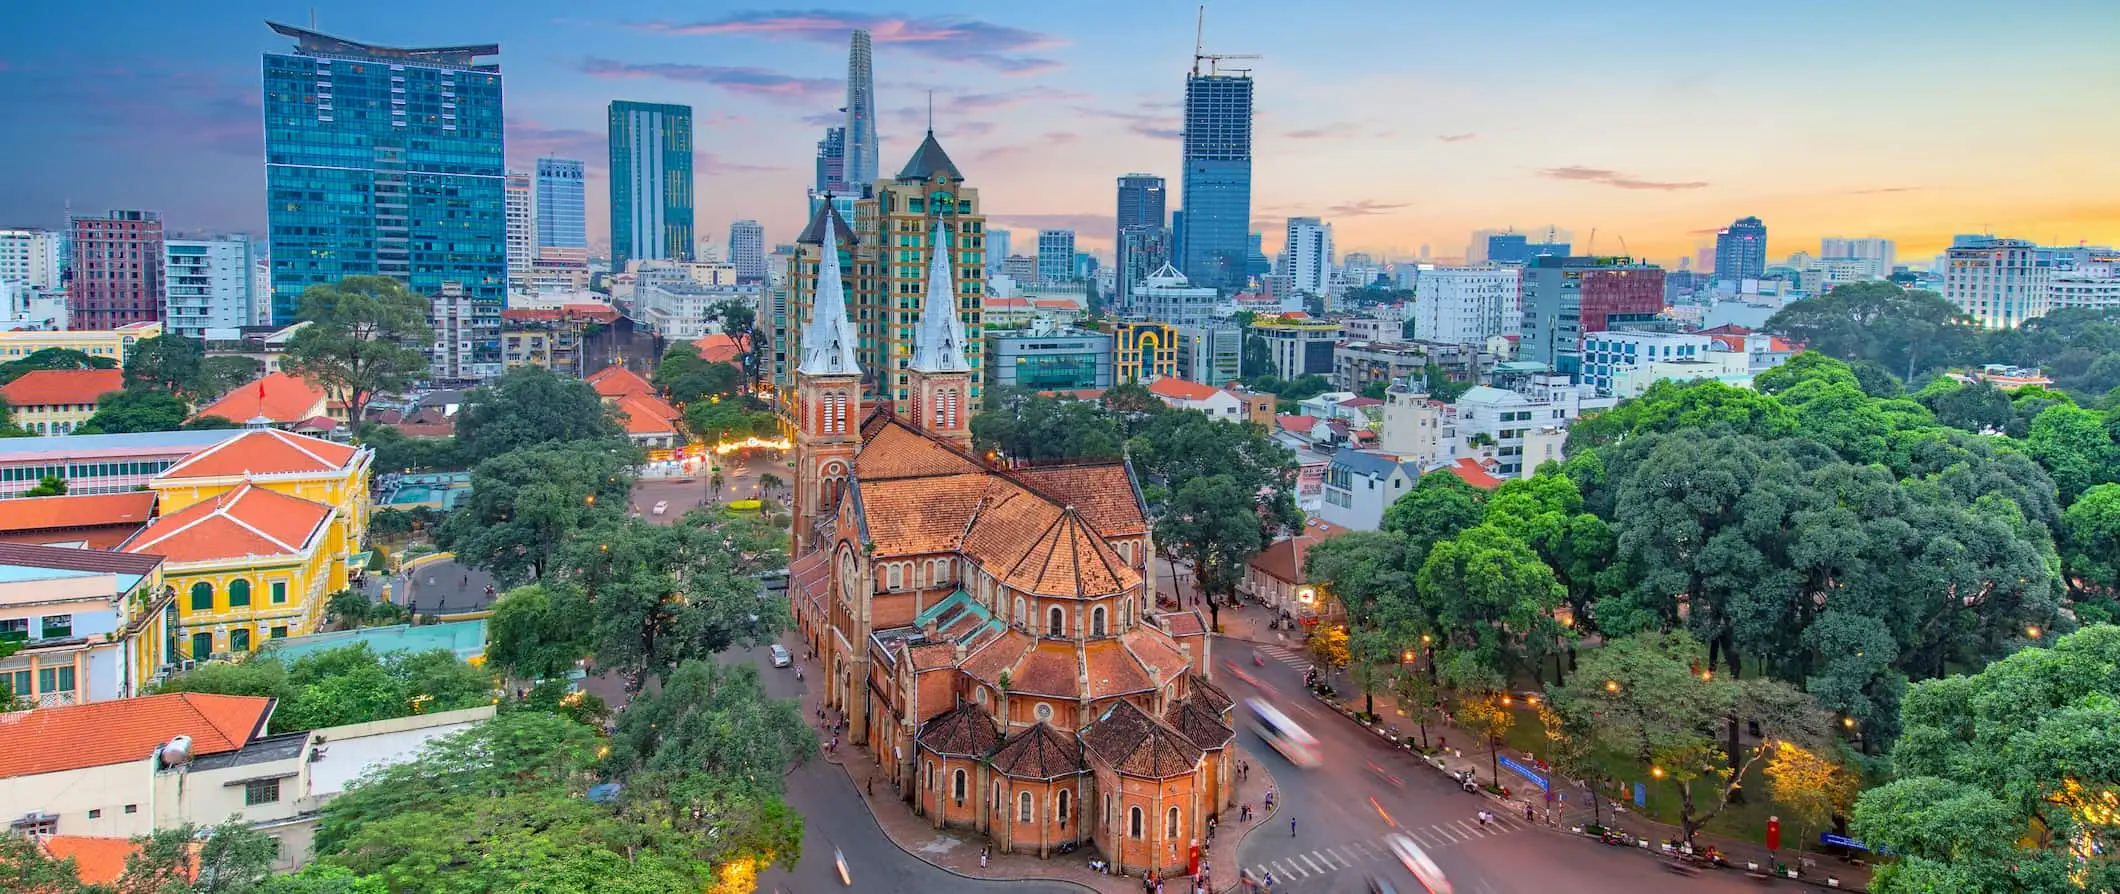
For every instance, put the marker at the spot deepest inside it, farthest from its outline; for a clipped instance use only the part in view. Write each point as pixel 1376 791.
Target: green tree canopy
pixel 686 377
pixel 527 406
pixel 365 337
pixel 350 684
pixel 167 362
pixel 137 410
pixel 1025 426
pixel 525 502
pixel 52 358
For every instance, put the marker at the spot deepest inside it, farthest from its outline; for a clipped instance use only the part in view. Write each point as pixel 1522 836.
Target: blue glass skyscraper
pixel 1217 179
pixel 651 182
pixel 562 204
pixel 381 160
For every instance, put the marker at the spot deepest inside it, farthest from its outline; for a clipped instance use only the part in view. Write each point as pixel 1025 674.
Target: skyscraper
pixel 997 248
pixel 1142 251
pixel 384 160
pixel 522 231
pixel 1878 255
pixel 832 161
pixel 1741 250
pixel 1056 255
pixel 862 167
pixel 1217 178
pixel 562 210
pixel 30 257
pixel 1565 298
pixel 1140 203
pixel 747 250
pixel 1309 256
pixel 117 271
pixel 651 182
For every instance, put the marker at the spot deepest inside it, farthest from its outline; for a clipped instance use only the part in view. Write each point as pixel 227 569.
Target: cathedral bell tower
pixel 941 375
pixel 827 402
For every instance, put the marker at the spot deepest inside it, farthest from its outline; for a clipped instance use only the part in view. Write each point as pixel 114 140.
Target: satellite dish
pixel 176 753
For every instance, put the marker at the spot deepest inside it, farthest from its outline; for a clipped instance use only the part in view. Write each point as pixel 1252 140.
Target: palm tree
pixel 349 607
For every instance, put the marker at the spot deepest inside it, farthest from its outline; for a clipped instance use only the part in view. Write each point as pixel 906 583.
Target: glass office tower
pixel 1217 179
pixel 384 160
pixel 651 182
pixel 562 204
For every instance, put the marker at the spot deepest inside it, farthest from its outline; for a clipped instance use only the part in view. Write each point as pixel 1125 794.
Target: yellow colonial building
pixel 258 532
pixel 1143 351
pixel 107 343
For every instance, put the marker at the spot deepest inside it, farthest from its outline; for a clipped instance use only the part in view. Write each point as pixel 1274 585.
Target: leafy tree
pixel 136 410
pixel 712 718
pixel 1371 654
pixel 9 429
pixel 349 607
pixel 350 684
pixel 1441 386
pixel 1975 407
pixel 52 358
pixel 1328 647
pixel 1492 596
pixel 686 377
pixel 168 362
pixel 47 486
pixel 2003 776
pixel 525 502
pixel 1440 506
pixel 1905 331
pixel 1810 785
pixel 716 421
pixel 1367 573
pixel 364 338
pixel 2093 553
pixel 230 858
pixel 394 452
pixel 1375 390
pixel 1033 427
pixel 1255 360
pixel 2072 444
pixel 1419 695
pixel 1134 404
pixel 324 878
pixel 25 867
pixel 220 375
pixel 538 634
pixel 1212 523
pixel 528 406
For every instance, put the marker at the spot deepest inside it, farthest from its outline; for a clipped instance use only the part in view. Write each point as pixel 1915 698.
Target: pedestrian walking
pixel 982 857
pixel 1291 827
pixel 1527 813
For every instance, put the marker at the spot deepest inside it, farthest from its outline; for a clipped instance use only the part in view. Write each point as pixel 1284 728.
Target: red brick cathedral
pixel 989 632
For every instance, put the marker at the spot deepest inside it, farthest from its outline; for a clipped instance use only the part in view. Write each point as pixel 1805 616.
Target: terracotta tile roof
pixel 1102 492
pixel 245 522
pixel 1361 402
pixel 1039 752
pixel 77 511
pixel 49 740
pixel 1048 668
pixel 1727 329
pixel 599 313
pixel 55 387
pixel 618 381
pixel 280 397
pixel 1179 389
pixel 1136 744
pixel 809 577
pixel 1054 304
pixel 1779 345
pixel 1198 725
pixel 1207 693
pixel 264 452
pixel 316 423
pixel 602 313
pixel 894 450
pixel 1008 303
pixel 1301 425
pixel 1471 472
pixel 1002 653
pixel 910 515
pixel 1185 623
pixel 646 414
pixel 1069 559
pixel 932 656
pixel 1155 650
pixel 719 348
pixel 1114 671
pixel 1284 559
pixel 101 561
pixel 97 861
pixel 966 730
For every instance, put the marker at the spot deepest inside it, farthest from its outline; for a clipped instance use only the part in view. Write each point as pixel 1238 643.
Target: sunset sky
pixel 1403 124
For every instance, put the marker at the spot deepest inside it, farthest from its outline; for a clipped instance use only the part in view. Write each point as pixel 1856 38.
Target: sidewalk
pixel 1466 751
pixel 956 850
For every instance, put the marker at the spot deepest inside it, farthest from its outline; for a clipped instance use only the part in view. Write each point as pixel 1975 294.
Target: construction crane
pixel 1213 60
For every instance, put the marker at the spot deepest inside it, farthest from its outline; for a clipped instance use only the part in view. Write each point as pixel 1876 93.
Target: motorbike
pixel 840 860
pixel 1615 838
pixel 1065 847
pixel 1257 661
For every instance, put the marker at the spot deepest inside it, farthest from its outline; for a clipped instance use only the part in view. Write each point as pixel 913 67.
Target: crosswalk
pixel 1284 656
pixel 1328 860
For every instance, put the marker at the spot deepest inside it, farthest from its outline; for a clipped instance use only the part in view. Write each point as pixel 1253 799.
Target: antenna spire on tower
pixel 931 111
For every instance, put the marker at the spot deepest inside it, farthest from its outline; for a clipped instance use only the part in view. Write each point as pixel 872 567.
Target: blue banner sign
pixel 1527 773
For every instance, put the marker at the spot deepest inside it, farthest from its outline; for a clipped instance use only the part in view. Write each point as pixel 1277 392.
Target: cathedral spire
pixel 938 345
pixel 828 338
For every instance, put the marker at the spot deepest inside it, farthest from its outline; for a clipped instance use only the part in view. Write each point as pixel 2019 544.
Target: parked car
pixel 781 658
pixel 662 507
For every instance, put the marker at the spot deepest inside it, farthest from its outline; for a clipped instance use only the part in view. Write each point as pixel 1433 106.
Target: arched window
pixel 1133 822
pixel 202 596
pixel 957 785
pixel 1055 621
pixel 1062 803
pixel 238 593
pixel 1171 824
pixel 930 776
pixel 1023 807
pixel 892 576
pixel 1096 621
pixel 1021 617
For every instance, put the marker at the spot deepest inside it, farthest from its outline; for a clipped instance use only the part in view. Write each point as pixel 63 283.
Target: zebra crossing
pixel 1328 860
pixel 1284 656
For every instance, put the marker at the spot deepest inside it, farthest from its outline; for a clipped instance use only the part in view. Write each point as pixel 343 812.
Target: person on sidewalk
pixel 1291 827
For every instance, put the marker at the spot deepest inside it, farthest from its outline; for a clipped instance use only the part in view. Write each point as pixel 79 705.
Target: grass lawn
pixel 1746 820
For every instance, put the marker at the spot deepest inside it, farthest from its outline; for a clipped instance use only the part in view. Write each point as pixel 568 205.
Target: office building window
pixel 57 626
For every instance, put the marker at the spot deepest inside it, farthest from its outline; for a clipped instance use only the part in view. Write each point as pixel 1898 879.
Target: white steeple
pixel 938 346
pixel 828 338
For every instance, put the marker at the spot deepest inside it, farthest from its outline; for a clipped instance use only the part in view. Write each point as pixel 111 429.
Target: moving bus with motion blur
pixel 1283 734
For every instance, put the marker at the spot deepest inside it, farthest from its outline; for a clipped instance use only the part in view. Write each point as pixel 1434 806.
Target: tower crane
pixel 1213 60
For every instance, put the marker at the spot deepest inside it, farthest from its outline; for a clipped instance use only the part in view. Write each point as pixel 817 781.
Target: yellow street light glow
pixel 1657 772
pixel 2032 631
pixel 1611 685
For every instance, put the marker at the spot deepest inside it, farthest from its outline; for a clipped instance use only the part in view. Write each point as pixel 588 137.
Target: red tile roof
pixel 1301 425
pixel 281 397
pixel 720 348
pixel 77 511
pixel 1040 752
pixel 1008 303
pixel 597 313
pixel 1360 402
pixel 1283 560
pixel 618 381
pixel 966 730
pixel 49 740
pixel 646 414
pixel 1473 473
pixel 245 522
pixel 1175 388
pixel 265 452
pixel 56 387
pixel 97 861
pixel 1055 304
pixel 1136 744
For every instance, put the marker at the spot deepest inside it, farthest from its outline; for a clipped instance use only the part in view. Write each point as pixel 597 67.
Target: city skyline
pixel 1044 110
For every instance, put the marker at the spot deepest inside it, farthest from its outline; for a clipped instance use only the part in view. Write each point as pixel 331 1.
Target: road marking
pixel 1434 832
pixel 1470 830
pixel 1313 864
pixel 1361 850
pixel 1343 857
pixel 1290 869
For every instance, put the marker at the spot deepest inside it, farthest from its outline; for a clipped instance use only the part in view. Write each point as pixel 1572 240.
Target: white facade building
pixel 30 257
pixel 2085 287
pixel 1467 305
pixel 1877 255
pixel 1728 367
pixel 460 323
pixel 1307 256
pixel 1605 351
pixel 1056 255
pixel 1166 296
pixel 678 310
pixel 210 284
pixel 1360 486
pixel 747 250
pixel 521 210
pixel 2000 283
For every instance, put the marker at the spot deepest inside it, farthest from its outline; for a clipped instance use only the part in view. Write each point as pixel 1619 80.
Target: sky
pixel 1650 122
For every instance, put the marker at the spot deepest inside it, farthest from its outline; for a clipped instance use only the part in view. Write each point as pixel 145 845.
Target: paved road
pixel 739 482
pixel 1339 834
pixel 835 817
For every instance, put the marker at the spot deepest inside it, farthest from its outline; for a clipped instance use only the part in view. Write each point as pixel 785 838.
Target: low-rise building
pixel 1183 395
pixel 1385 328
pixel 1259 406
pixel 98 464
pixel 81 521
pixel 1044 356
pixel 110 344
pixel 89 625
pixel 280 400
pixel 1297 345
pixel 1359 486
pixel 1211 354
pixel 680 310
pixel 57 401
pixel 1632 379
pixel 649 420
pixel 1605 351
pixel 1276 576
pixel 551 337
pixel 1143 351
pixel 1166 296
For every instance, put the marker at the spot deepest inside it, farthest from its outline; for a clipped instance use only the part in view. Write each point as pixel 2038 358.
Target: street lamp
pixel 1611 685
